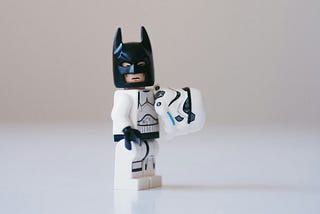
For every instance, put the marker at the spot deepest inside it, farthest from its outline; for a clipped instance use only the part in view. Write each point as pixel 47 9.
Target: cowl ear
pixel 145 39
pixel 117 43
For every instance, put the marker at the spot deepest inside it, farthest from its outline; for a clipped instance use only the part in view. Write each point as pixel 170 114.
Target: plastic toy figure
pixel 137 111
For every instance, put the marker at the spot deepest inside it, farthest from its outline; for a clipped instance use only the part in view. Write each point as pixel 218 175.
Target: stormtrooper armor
pixel 135 168
pixel 181 111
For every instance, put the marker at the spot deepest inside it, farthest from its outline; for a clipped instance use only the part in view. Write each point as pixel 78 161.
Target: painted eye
pixel 125 64
pixel 141 63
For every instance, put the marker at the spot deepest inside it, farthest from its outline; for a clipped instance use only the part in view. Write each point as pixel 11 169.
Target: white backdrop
pixel 256 61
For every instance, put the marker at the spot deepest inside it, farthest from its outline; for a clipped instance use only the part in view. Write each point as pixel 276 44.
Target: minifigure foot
pixel 133 184
pixel 139 183
pixel 155 181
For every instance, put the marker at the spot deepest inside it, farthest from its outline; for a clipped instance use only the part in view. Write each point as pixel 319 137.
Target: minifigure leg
pixel 128 167
pixel 135 169
pixel 150 164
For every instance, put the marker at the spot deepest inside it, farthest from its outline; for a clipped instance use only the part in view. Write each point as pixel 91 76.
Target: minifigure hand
pixel 131 135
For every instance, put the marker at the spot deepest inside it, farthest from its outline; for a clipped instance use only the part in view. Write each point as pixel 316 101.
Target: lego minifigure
pixel 137 110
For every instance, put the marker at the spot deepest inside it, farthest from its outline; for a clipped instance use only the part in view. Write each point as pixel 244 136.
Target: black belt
pixel 144 136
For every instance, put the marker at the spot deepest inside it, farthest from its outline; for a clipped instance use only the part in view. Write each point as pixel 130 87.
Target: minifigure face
pixel 134 78
pixel 132 62
pixel 133 59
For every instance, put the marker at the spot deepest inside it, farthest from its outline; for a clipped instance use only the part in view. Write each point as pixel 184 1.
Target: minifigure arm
pixel 122 125
pixel 121 112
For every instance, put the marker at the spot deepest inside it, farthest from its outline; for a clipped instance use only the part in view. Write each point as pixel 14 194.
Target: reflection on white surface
pixel 69 169
pixel 135 202
pixel 125 201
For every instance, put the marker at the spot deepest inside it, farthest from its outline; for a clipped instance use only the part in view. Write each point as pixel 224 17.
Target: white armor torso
pixel 135 108
pixel 147 118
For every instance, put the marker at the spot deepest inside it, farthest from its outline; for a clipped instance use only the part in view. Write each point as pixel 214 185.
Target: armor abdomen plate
pixel 147 118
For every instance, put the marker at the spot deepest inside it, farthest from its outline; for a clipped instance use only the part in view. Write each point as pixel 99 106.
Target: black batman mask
pixel 132 58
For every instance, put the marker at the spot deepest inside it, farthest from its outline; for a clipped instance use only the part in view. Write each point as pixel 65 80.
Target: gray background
pixel 255 61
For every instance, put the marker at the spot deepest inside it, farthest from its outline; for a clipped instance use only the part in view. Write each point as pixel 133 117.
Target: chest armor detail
pixel 147 118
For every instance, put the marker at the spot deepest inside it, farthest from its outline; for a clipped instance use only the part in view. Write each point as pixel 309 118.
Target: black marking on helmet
pixel 179 118
pixel 159 94
pixel 174 99
pixel 187 106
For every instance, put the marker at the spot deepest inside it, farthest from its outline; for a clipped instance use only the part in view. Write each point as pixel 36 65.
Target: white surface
pixel 69 169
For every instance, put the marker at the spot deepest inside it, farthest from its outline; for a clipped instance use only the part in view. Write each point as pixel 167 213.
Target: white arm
pixel 121 112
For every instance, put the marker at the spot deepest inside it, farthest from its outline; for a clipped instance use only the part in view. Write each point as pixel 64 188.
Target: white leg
pixel 150 165
pixel 135 169
pixel 125 162
pixel 149 162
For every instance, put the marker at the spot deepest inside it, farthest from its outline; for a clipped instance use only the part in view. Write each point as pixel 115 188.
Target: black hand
pixel 131 135
pixel 127 141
